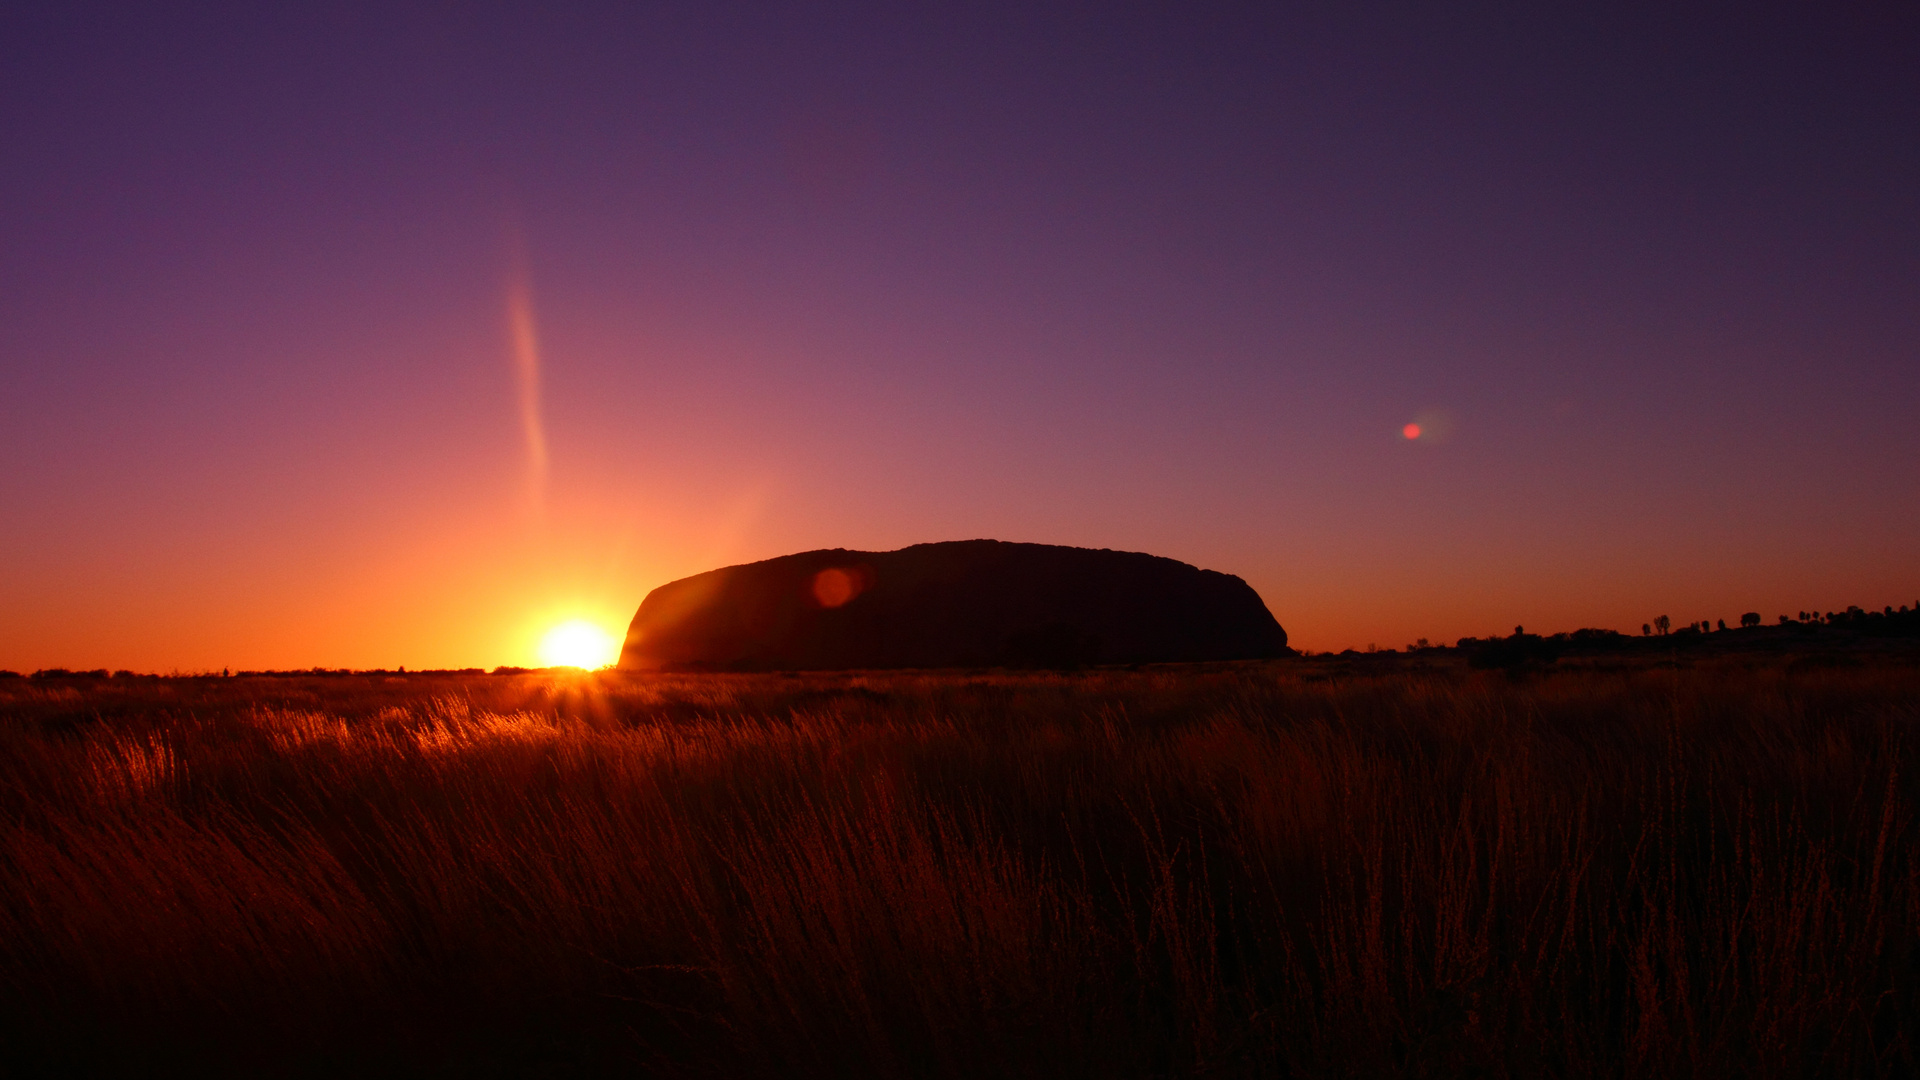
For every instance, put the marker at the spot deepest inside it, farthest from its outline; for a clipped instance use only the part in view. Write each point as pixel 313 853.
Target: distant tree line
pixel 1523 650
pixel 1903 621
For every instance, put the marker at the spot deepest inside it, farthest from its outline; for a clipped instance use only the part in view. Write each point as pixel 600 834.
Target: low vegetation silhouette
pixel 1621 863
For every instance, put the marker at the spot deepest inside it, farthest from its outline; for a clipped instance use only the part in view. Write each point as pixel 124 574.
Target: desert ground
pixel 1396 865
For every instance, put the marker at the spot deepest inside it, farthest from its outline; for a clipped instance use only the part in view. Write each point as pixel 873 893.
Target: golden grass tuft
pixel 1267 869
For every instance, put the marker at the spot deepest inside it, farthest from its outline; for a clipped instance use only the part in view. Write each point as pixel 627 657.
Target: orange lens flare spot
pixel 836 585
pixel 1411 431
pixel 580 644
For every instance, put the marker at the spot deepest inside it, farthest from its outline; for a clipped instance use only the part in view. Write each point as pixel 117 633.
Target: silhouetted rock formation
pixel 966 603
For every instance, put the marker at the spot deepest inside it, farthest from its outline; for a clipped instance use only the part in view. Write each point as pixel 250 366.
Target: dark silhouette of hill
pixel 966 603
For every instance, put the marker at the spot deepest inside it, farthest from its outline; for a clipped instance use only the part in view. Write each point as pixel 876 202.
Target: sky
pixel 395 334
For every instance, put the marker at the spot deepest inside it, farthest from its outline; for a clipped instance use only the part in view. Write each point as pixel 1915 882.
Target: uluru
pixel 964 603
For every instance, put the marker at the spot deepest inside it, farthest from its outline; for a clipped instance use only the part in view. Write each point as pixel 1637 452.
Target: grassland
pixel 1302 868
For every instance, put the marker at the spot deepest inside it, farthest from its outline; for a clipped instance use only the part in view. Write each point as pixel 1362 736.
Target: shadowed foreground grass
pixel 1284 869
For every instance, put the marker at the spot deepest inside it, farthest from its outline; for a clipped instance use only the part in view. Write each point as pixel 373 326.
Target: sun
pixel 578 643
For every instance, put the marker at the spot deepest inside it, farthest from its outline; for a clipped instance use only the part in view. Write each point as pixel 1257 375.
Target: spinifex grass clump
pixel 1264 870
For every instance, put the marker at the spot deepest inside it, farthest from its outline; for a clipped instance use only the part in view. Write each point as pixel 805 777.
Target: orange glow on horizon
pixel 579 643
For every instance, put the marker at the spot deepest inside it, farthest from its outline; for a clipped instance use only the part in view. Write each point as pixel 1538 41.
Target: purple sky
pixel 1140 278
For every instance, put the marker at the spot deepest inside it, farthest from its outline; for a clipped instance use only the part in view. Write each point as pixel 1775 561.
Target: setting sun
pixel 578 643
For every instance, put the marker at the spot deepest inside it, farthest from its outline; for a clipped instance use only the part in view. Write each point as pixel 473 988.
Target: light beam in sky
pixel 526 362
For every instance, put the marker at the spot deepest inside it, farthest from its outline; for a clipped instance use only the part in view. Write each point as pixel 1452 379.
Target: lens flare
pixel 1430 425
pixel 835 586
pixel 525 341
pixel 580 644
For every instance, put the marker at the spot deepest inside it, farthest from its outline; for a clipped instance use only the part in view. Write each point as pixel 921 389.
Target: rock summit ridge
pixel 962 603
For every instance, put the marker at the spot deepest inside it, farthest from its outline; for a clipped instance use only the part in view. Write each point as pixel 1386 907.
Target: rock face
pixel 966 603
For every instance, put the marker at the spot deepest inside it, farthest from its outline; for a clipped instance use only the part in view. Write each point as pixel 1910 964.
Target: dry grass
pixel 1277 869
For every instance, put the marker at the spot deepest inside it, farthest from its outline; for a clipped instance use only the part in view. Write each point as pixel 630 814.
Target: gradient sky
pixel 393 334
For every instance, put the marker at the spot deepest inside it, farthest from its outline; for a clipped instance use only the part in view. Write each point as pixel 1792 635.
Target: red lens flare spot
pixel 837 585
pixel 1411 431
